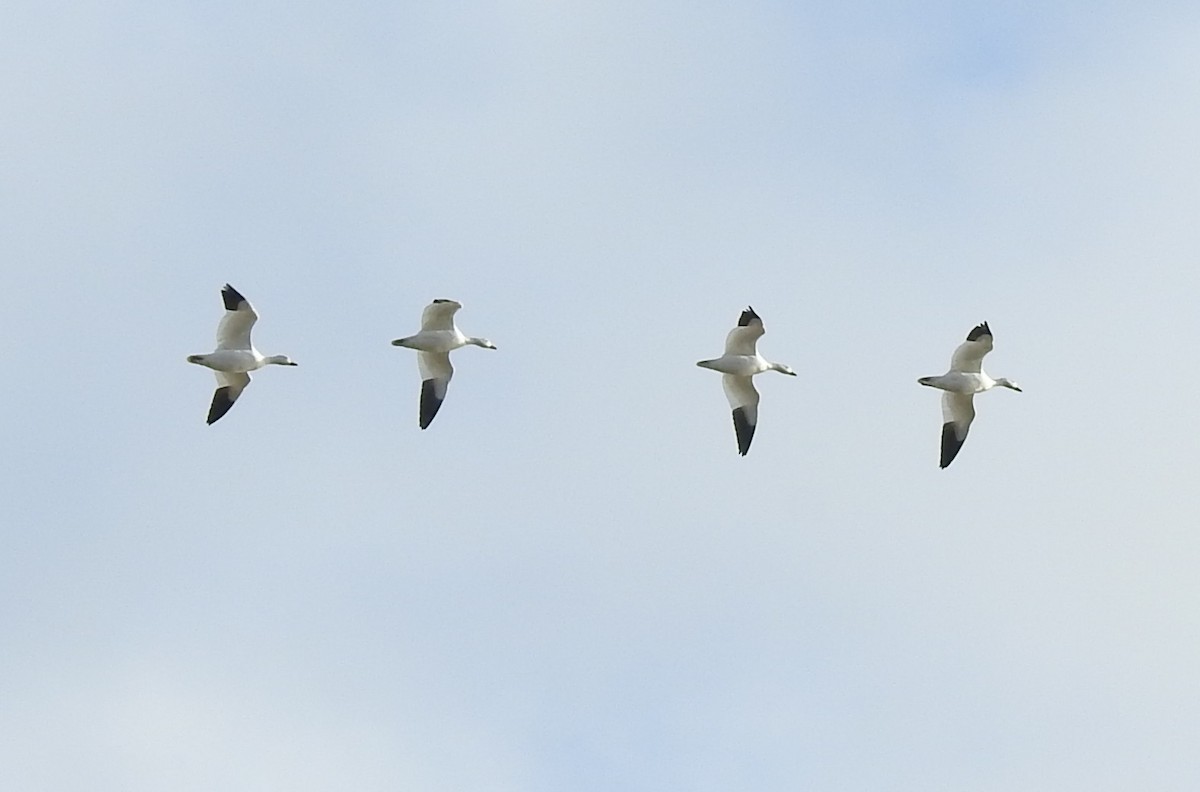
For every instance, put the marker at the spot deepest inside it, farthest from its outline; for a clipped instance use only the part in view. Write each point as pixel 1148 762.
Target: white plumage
pixel 438 337
pixel 739 364
pixel 235 356
pixel 964 379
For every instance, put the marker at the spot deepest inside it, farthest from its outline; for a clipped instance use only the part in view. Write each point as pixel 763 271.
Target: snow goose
pixel 739 364
pixel 964 379
pixel 438 337
pixel 235 356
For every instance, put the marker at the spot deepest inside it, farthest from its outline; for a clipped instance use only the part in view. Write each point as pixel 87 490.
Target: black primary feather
pixel 950 444
pixel 979 331
pixel 744 429
pixel 221 403
pixel 748 316
pixel 430 403
pixel 231 297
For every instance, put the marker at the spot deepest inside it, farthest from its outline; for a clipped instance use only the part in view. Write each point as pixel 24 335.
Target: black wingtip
pixel 744 430
pixel 748 316
pixel 232 298
pixel 430 403
pixel 978 331
pixel 220 405
pixel 950 444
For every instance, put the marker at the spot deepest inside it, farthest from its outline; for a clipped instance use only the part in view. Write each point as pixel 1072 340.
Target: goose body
pixel 740 363
pixel 438 337
pixel 960 384
pixel 235 356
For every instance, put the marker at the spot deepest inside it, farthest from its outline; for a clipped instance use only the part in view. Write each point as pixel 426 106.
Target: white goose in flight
pixel 739 364
pixel 964 379
pixel 438 337
pixel 234 356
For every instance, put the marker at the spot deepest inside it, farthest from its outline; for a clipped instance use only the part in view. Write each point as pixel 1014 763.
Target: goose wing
pixel 969 355
pixel 439 315
pixel 743 339
pixel 233 331
pixel 436 372
pixel 743 399
pixel 958 410
pixel 229 387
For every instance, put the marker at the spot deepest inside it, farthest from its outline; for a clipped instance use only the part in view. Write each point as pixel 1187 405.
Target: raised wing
pixel 436 372
pixel 439 315
pixel 969 355
pixel 743 339
pixel 958 410
pixel 229 387
pixel 743 398
pixel 233 331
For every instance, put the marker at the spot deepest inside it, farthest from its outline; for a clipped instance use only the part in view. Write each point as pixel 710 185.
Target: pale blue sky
pixel 571 581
